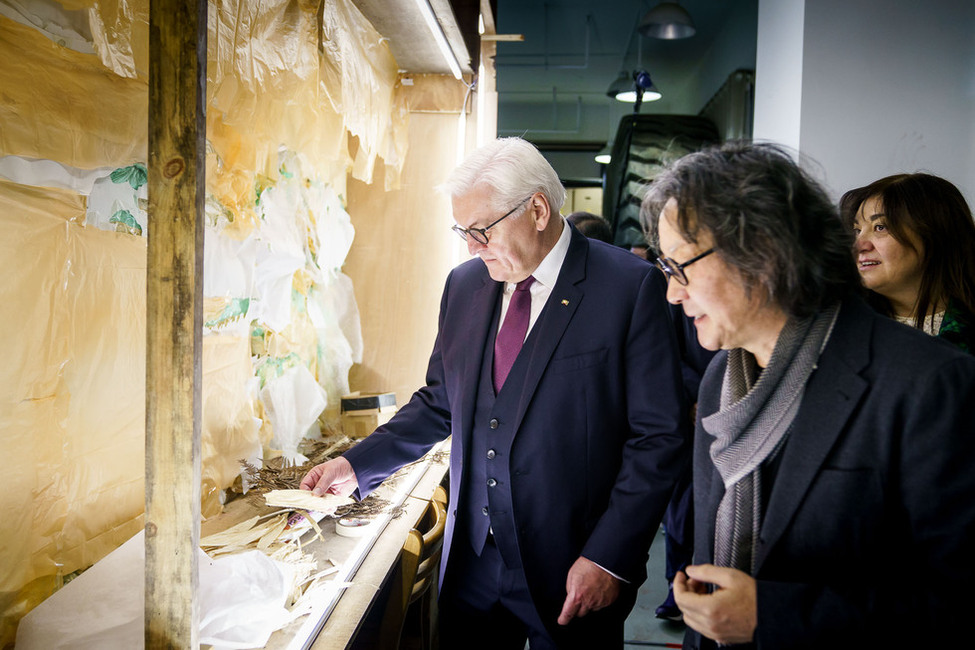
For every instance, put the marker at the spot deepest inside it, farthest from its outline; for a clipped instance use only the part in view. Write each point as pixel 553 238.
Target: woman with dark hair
pixel 915 250
pixel 833 495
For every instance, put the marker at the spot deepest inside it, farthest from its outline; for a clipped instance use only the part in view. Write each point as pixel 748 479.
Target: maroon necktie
pixel 512 334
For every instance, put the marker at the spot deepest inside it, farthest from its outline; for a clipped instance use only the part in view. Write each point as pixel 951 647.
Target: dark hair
pixel 591 225
pixel 767 218
pixel 936 214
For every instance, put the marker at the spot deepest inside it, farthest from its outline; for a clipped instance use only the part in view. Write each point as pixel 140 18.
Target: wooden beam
pixel 174 302
pixel 503 37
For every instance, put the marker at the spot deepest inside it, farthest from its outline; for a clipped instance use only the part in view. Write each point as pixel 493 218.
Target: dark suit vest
pixel 489 502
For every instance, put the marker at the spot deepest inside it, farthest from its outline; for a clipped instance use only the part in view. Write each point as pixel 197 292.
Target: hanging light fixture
pixel 622 84
pixel 625 87
pixel 668 20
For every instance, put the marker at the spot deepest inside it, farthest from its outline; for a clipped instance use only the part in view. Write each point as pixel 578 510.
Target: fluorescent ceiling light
pixel 439 36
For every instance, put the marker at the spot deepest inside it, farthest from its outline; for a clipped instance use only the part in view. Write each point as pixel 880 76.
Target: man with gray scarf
pixel 834 496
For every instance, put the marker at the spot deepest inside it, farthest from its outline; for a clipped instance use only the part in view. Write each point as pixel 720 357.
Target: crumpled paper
pixel 242 601
pixel 293 401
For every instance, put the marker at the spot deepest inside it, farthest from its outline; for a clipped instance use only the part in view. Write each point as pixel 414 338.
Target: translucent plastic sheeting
pixel 228 282
pixel 242 600
pixel 293 401
pixel 72 388
pixel 335 316
pixel 280 73
pixel 48 173
pixel 230 431
pixel 61 25
pixel 263 90
pixel 117 198
pixel 72 393
pixel 359 78
pixel 118 201
pixel 120 31
pixel 61 105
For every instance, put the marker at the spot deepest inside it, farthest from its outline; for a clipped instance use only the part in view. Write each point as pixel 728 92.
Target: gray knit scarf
pixel 751 426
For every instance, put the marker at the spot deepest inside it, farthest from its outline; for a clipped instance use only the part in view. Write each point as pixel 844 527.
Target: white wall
pixel 884 87
pixel 778 72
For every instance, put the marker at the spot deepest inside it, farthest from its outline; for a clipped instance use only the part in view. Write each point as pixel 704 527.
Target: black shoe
pixel 668 609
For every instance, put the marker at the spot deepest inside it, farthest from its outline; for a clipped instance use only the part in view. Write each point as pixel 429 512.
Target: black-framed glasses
pixel 672 269
pixel 480 234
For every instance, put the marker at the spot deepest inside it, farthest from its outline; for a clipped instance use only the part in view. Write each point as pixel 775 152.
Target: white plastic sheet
pixel 293 402
pixel 243 598
pixel 50 173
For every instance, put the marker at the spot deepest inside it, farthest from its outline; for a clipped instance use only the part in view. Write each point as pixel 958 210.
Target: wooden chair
pixel 415 581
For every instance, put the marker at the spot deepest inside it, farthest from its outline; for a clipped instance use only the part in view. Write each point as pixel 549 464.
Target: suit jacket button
pixel 491 454
pixel 493 423
pixel 484 511
pixel 491 482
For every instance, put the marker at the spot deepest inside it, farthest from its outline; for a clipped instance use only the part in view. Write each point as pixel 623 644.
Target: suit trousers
pixel 486 605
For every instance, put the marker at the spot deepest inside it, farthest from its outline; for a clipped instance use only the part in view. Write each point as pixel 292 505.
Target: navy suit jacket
pixel 868 539
pixel 598 442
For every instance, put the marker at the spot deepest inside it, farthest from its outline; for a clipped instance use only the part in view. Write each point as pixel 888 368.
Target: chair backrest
pixel 417 570
pixel 427 571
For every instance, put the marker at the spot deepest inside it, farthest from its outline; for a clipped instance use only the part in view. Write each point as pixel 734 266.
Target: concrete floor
pixel 642 628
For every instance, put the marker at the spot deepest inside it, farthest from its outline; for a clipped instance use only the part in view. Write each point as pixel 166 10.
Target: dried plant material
pixel 244 533
pixel 272 535
pixel 225 536
pixel 305 500
pixel 369 507
pixel 275 475
pixel 311 521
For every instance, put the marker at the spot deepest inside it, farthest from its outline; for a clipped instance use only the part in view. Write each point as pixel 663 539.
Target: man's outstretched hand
pixel 335 476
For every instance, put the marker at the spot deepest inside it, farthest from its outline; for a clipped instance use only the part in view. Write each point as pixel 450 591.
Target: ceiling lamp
pixel 625 88
pixel 622 84
pixel 668 20
pixel 605 155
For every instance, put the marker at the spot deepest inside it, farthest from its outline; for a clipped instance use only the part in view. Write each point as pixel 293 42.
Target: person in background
pixel 591 225
pixel 640 251
pixel 915 250
pixel 555 372
pixel 833 493
pixel 678 522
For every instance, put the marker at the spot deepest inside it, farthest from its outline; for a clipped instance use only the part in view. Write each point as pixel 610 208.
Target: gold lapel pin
pixel 565 303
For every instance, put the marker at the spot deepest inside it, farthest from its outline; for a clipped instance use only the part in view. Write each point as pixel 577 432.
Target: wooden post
pixel 174 302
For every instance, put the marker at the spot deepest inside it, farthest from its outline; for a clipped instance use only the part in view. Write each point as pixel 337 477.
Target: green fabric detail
pixel 235 310
pixel 125 218
pixel 135 175
pixel 956 328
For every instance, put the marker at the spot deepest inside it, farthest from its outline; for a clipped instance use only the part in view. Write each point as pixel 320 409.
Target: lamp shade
pixel 605 155
pixel 624 88
pixel 621 84
pixel 668 20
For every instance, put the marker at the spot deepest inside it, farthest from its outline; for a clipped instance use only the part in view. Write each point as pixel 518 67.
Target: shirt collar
pixel 547 271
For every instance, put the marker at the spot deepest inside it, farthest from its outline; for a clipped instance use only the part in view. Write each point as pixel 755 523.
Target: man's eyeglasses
pixel 674 270
pixel 480 234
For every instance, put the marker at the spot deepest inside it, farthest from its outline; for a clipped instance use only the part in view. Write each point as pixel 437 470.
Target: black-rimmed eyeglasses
pixel 480 234
pixel 672 269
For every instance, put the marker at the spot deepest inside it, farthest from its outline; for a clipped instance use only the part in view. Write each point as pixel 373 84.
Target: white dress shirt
pixel 545 275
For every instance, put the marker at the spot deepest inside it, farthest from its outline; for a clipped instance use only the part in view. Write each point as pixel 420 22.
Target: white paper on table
pixel 242 600
pixel 104 607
